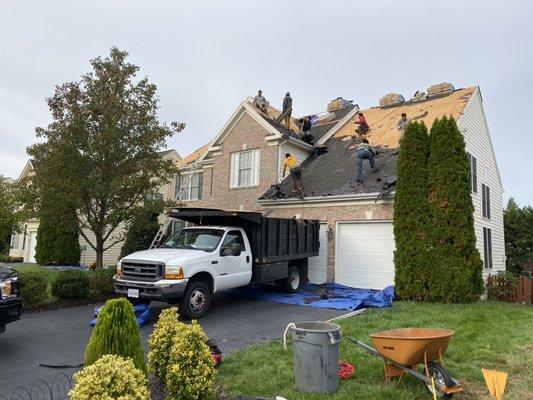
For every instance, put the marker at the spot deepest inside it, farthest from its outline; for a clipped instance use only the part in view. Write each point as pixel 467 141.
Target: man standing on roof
pixel 287 109
pixel 291 163
pixel 363 125
pixel 260 101
pixel 306 130
pixel 365 151
pixel 402 123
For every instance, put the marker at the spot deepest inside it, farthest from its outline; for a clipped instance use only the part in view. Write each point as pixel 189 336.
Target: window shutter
pixel 200 184
pixel 178 187
pixel 487 195
pixel 234 170
pixel 474 174
pixel 255 167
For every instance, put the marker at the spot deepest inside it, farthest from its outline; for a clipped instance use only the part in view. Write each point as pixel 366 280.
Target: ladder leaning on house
pixel 181 193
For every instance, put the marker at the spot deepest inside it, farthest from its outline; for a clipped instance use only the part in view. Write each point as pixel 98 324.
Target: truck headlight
pixel 119 270
pixel 173 272
pixel 6 288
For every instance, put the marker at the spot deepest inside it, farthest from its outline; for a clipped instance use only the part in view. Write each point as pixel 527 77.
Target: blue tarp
pixel 142 313
pixel 339 297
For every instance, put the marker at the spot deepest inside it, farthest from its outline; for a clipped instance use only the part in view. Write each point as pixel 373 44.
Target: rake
pixel 496 381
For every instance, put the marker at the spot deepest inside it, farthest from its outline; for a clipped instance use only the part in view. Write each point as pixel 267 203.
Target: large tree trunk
pixel 99 253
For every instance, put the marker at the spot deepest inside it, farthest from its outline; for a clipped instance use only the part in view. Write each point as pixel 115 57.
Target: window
pixel 473 171
pixel 485 199
pixel 190 186
pixel 195 239
pixel 487 248
pixel 232 239
pixel 15 241
pixel 244 170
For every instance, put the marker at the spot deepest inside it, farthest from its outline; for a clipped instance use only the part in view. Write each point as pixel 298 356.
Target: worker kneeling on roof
pixel 365 151
pixel 291 163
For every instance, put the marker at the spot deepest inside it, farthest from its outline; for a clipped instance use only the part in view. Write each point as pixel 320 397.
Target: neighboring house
pixel 23 244
pixel 239 168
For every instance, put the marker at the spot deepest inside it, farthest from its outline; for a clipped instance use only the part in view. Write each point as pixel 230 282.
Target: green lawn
pixel 488 335
pixel 48 273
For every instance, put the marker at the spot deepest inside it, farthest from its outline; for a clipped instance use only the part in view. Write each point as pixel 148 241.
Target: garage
pixel 365 254
pixel 318 266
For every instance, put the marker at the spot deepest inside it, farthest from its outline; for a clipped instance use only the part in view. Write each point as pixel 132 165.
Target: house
pixel 238 169
pixel 23 244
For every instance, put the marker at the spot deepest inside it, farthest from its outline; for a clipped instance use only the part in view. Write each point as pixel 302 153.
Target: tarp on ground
pixel 142 314
pixel 329 295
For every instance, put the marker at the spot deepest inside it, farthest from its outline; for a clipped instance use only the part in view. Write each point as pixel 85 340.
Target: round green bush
pixel 34 289
pixel 71 284
pixel 102 282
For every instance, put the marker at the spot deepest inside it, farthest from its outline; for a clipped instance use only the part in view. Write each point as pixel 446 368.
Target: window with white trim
pixel 473 171
pixel 244 169
pixel 485 200
pixel 487 248
pixel 15 241
pixel 190 186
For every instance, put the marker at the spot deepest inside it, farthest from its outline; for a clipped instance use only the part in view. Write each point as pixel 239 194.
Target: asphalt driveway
pixel 59 337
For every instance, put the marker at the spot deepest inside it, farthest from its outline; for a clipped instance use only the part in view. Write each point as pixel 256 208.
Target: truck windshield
pixel 195 239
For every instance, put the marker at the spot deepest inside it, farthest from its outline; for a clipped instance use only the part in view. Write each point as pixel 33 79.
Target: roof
pixel 194 156
pixel 163 153
pixel 382 121
pixel 333 173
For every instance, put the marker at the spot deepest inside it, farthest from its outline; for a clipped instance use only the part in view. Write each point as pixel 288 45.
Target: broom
pixel 496 381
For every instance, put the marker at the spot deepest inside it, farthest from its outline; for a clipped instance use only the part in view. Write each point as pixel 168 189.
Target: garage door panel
pixel 365 255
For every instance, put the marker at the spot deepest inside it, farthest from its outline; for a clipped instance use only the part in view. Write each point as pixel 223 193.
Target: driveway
pixel 59 337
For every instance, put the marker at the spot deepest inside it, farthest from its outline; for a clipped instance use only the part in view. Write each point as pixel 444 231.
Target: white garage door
pixel 365 255
pixel 318 266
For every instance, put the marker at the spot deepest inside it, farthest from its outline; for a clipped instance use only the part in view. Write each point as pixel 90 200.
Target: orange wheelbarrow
pixel 403 350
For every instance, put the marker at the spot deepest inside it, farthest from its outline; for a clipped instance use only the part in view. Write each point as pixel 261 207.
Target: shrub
pixel 110 377
pixel 71 284
pixel 191 374
pixel 116 332
pixel 141 233
pixel 456 270
pixel 161 340
pixel 102 282
pixel 412 257
pixel 503 286
pixel 34 289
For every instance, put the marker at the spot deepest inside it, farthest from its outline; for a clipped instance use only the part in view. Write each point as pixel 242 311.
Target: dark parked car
pixel 10 301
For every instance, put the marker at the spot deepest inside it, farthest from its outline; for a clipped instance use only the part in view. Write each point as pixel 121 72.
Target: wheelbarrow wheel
pixel 442 377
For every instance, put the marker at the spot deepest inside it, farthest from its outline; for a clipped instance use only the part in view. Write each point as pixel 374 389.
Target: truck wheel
pixel 293 281
pixel 196 300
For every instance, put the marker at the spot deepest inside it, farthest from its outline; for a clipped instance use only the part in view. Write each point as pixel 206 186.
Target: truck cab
pixel 193 264
pixel 10 301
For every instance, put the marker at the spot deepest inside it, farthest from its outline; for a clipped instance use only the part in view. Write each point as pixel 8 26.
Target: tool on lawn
pixel 403 350
pixel 496 382
pixel 215 352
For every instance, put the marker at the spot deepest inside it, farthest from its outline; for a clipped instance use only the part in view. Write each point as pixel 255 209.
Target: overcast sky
pixel 207 56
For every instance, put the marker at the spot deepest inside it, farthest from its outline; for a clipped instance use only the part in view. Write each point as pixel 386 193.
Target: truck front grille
pixel 142 270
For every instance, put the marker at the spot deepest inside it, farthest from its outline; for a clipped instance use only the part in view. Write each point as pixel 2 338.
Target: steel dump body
pixel 408 346
pixel 273 240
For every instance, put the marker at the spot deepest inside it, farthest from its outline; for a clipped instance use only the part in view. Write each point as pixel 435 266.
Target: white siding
pixel 474 127
pixel 298 152
pixel 111 256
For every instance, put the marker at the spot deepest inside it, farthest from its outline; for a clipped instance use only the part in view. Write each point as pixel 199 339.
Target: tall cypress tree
pixel 456 271
pixel 412 257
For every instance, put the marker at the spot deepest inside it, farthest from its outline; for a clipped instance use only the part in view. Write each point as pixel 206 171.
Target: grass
pixel 48 273
pixel 487 335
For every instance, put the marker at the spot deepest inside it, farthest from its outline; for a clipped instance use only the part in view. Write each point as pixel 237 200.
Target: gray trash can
pixel 316 356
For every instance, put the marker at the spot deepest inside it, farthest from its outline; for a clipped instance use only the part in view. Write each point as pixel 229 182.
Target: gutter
pixel 327 199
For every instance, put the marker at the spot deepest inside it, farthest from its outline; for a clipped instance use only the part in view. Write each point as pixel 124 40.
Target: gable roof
pixel 164 153
pixel 194 156
pixel 382 121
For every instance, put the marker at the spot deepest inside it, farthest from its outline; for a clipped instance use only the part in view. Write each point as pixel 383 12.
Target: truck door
pixel 234 270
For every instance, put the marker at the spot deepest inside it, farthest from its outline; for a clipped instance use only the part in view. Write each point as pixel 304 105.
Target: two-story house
pixel 23 244
pixel 238 169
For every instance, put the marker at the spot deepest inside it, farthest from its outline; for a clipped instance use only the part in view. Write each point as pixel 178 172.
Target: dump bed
pixel 272 239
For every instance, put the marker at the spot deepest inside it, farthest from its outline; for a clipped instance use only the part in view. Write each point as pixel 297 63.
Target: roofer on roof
pixel 287 109
pixel 402 123
pixel 365 151
pixel 291 163
pixel 363 125
pixel 260 101
pixel 306 130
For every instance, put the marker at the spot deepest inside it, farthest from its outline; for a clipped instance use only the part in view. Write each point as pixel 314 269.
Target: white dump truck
pixel 222 250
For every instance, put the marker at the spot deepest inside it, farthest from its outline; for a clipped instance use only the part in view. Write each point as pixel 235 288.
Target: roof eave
pixel 327 199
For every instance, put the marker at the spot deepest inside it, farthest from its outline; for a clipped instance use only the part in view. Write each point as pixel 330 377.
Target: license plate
pixel 133 293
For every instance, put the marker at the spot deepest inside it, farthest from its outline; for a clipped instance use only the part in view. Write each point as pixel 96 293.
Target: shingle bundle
pixel 391 99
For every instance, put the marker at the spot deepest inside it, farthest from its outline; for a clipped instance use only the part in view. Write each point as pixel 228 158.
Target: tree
pixel 116 332
pixel 101 147
pixel 456 271
pixel 411 218
pixel 518 223
pixel 8 214
pixel 141 232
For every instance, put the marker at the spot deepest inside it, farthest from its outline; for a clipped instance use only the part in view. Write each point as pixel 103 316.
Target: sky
pixel 206 56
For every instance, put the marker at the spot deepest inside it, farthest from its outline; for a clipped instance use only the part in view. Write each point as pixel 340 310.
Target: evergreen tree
pixel 518 223
pixel 141 233
pixel 456 271
pixel 412 257
pixel 116 332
